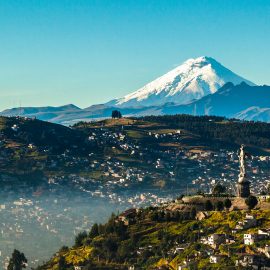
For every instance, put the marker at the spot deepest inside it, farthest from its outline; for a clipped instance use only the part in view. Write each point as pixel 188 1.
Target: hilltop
pixel 165 237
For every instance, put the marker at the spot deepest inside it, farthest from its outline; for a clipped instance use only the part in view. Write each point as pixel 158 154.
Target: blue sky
pixel 88 52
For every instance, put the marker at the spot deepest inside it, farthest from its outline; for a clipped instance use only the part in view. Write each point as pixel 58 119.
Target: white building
pixel 264 232
pixel 215 258
pixel 250 238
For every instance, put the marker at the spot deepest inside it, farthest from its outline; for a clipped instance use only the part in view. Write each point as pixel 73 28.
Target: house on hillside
pixel 216 258
pixel 264 232
pixel 216 239
pixel 265 250
pixel 250 238
pixel 128 216
pixel 254 261
pixel 264 198
pixel 186 265
pixel 249 222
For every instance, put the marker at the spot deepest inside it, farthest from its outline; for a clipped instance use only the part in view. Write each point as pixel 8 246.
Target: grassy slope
pixel 197 132
pixel 162 237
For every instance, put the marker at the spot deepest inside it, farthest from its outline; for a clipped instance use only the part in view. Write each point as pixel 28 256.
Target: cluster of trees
pixel 113 242
pixel 17 261
pixel 176 216
pixel 113 226
pixel 218 206
pixel 220 128
pixel 251 202
pixel 219 189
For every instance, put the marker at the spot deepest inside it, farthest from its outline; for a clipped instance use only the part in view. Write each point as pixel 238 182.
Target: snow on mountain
pixel 193 79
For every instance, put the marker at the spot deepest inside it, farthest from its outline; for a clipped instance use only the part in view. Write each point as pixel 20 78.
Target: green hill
pixel 146 147
pixel 156 238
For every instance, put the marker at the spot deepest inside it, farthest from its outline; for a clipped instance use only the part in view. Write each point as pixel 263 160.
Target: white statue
pixel 242 157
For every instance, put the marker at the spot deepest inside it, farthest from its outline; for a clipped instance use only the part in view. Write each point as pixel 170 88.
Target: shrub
pixel 227 203
pixel 208 206
pixel 219 206
pixel 251 201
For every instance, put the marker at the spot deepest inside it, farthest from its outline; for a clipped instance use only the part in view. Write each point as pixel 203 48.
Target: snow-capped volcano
pixel 193 79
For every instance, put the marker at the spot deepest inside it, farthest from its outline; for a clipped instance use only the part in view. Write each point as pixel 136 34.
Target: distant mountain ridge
pixel 233 101
pixel 254 113
pixel 230 101
pixel 217 91
pixel 42 113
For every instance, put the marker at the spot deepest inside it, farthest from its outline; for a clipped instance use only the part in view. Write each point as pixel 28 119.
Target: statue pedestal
pixel 243 189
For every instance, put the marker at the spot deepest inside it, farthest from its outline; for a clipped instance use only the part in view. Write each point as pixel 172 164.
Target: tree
pixel 110 246
pixel 208 205
pixel 219 189
pixel 17 261
pixel 200 192
pixel 168 216
pixel 125 249
pixel 116 114
pixel 79 238
pixel 121 230
pixel 251 201
pixel 193 213
pixel 94 231
pixel 227 203
pixel 64 249
pixel 219 206
pixel 154 216
pixel 62 263
pixel 176 216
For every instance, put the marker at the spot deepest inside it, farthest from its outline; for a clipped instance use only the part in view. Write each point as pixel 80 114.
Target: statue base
pixel 243 189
